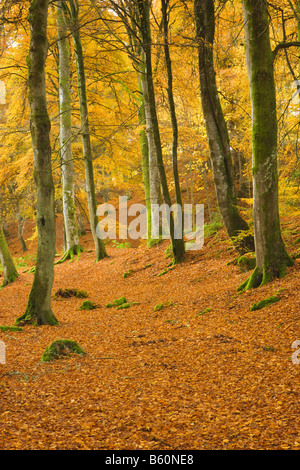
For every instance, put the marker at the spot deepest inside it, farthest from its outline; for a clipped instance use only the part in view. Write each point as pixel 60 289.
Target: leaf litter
pixel 203 372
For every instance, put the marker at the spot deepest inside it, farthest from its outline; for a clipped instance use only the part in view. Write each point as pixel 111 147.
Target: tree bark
pixel 38 310
pixel 164 8
pixel 271 256
pixel 9 269
pixel 85 131
pixel 72 245
pixel 154 178
pixel 144 151
pixel 216 129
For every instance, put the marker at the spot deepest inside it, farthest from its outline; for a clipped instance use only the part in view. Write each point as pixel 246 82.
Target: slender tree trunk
pixel 85 131
pixel 154 178
pixel 216 128
pixel 144 8
pixel 20 229
pixel 144 150
pixel 164 9
pixel 9 269
pixel 72 245
pixel 38 310
pixel 271 256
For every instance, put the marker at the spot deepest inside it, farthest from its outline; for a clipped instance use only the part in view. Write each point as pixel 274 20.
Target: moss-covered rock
pixel 87 305
pixel 117 302
pixel 61 348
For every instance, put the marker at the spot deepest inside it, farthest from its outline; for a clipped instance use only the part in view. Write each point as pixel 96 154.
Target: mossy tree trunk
pixel 9 270
pixel 271 256
pixel 144 154
pixel 154 177
pixel 85 131
pixel 144 11
pixel 128 14
pixel 72 245
pixel 172 108
pixel 216 128
pixel 38 310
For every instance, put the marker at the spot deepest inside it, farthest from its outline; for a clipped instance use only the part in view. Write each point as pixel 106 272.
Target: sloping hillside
pixel 186 366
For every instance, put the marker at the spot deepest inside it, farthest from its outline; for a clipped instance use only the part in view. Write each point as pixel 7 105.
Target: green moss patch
pixel 206 310
pixel 61 348
pixel 159 307
pixel 125 305
pixel 10 328
pixel 88 305
pixel 127 273
pixel 117 302
pixel 246 262
pixel 264 303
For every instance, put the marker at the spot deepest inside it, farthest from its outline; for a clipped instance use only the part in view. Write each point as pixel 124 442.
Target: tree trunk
pixel 144 8
pixel 164 8
pixel 85 131
pixel 20 229
pixel 144 149
pixel 216 129
pixel 9 269
pixel 72 245
pixel 271 256
pixel 38 310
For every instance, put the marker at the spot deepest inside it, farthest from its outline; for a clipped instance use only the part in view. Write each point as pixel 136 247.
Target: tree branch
pixel 284 45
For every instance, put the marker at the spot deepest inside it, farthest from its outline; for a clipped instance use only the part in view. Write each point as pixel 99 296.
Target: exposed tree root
pixel 259 278
pixel 69 255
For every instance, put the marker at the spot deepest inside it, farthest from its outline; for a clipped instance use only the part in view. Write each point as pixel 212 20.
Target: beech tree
pixel 67 165
pixel 71 9
pixel 178 246
pixel 38 310
pixel 216 129
pixel 165 8
pixel 272 258
pixel 128 12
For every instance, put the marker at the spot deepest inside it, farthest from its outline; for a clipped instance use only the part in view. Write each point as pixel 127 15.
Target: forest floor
pixel 201 372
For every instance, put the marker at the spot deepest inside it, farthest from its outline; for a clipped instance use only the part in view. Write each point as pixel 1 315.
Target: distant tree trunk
pixel 144 8
pixel 164 8
pixel 20 229
pixel 85 131
pixel 271 256
pixel 9 269
pixel 38 310
pixel 154 178
pixel 165 21
pixel 72 245
pixel 216 127
pixel 144 150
